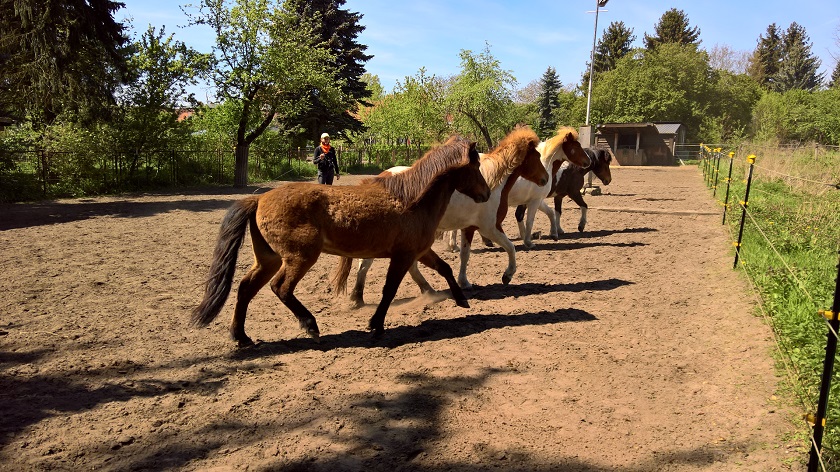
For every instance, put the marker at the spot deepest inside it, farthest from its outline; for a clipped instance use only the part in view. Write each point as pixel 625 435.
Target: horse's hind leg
pixel 261 272
pixel 283 285
pixel 432 260
pixel 396 272
pixel 357 296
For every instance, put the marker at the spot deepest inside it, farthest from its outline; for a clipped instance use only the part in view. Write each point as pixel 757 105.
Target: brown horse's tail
pixel 340 274
pixel 217 287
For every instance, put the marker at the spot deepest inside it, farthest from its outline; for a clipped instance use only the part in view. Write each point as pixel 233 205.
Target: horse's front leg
pixel 467 235
pixel 525 229
pixel 500 238
pixel 357 296
pixel 396 272
pixel 578 198
pixel 558 211
pixel 432 260
pixel 418 278
pixel 552 218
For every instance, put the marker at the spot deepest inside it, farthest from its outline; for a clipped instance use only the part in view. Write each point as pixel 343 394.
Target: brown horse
pixel 515 156
pixel 392 216
pixel 568 181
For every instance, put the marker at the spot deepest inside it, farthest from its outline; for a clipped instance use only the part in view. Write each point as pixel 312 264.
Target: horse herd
pixel 396 215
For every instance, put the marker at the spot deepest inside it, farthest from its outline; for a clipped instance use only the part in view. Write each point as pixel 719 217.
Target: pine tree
pixel 799 67
pixel 764 63
pixel 339 28
pixel 673 27
pixel 616 42
pixel 60 56
pixel 548 101
pixel 835 76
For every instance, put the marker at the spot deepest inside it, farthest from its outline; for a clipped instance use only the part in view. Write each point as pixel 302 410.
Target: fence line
pixel 710 162
pixel 33 173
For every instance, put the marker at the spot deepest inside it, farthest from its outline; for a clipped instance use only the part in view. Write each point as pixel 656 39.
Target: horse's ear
pixel 472 145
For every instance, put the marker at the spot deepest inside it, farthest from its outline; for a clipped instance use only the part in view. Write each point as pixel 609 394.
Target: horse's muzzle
pixel 483 197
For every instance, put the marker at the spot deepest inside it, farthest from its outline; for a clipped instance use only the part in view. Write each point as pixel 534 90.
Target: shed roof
pixel 661 128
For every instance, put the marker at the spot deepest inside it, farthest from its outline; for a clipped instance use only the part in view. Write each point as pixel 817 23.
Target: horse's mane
pixel 553 144
pixel 511 151
pixel 409 186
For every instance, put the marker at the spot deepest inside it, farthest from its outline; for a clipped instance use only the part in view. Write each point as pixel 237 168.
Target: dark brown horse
pixel 391 216
pixel 568 181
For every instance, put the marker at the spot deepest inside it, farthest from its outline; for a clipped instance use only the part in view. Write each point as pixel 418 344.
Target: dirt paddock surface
pixel 630 347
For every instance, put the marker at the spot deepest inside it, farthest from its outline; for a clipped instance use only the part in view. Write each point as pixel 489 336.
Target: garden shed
pixel 638 144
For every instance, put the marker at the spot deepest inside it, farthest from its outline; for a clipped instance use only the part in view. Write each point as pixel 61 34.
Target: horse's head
pixel 601 165
pixel 572 148
pixel 532 167
pixel 469 180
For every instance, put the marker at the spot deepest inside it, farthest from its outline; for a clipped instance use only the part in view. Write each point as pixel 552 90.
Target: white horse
pixel 515 156
pixel 564 146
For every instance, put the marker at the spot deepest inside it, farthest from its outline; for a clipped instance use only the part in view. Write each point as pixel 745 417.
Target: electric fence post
pixel 703 161
pixel 751 160
pixel 717 171
pixel 828 367
pixel 728 182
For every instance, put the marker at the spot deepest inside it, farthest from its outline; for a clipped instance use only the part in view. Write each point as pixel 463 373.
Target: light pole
pixel 598 5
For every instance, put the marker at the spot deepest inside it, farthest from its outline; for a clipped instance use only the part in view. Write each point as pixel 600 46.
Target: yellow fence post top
pixel 751 158
pixel 717 149
pixel 731 154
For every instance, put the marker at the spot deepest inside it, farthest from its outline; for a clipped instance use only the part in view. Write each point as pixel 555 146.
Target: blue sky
pixel 527 37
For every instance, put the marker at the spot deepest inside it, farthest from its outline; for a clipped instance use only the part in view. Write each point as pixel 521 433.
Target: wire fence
pixel 27 174
pixel 816 405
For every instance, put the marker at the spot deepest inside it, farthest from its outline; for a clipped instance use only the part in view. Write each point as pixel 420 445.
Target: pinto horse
pixel 568 181
pixel 515 156
pixel 563 146
pixel 393 216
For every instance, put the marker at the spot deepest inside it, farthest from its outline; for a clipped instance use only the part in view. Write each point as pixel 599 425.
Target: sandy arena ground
pixel 630 347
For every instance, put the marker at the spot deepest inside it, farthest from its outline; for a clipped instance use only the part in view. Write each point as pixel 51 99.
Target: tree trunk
pixel 240 169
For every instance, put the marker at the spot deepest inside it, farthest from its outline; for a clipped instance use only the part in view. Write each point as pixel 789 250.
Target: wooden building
pixel 639 144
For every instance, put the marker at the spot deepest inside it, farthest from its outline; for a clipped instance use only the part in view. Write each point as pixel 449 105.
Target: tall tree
pixel 268 62
pixel 481 93
pixel 548 101
pixel 799 68
pixel 60 56
pixel 338 29
pixel 673 27
pixel 765 59
pixel 161 69
pixel 835 76
pixel 670 83
pixel 616 42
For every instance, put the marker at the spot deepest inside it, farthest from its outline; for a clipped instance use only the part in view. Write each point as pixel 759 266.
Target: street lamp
pixel 598 5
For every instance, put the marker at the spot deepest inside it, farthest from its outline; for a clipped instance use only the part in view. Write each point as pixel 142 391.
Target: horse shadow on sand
pixel 442 329
pixel 427 331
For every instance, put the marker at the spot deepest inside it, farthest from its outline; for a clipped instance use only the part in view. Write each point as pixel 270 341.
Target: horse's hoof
pixel 356 304
pixel 377 332
pixel 314 334
pixel 244 342
pixel 462 303
pixel 487 242
pixel 580 229
pixel 506 279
